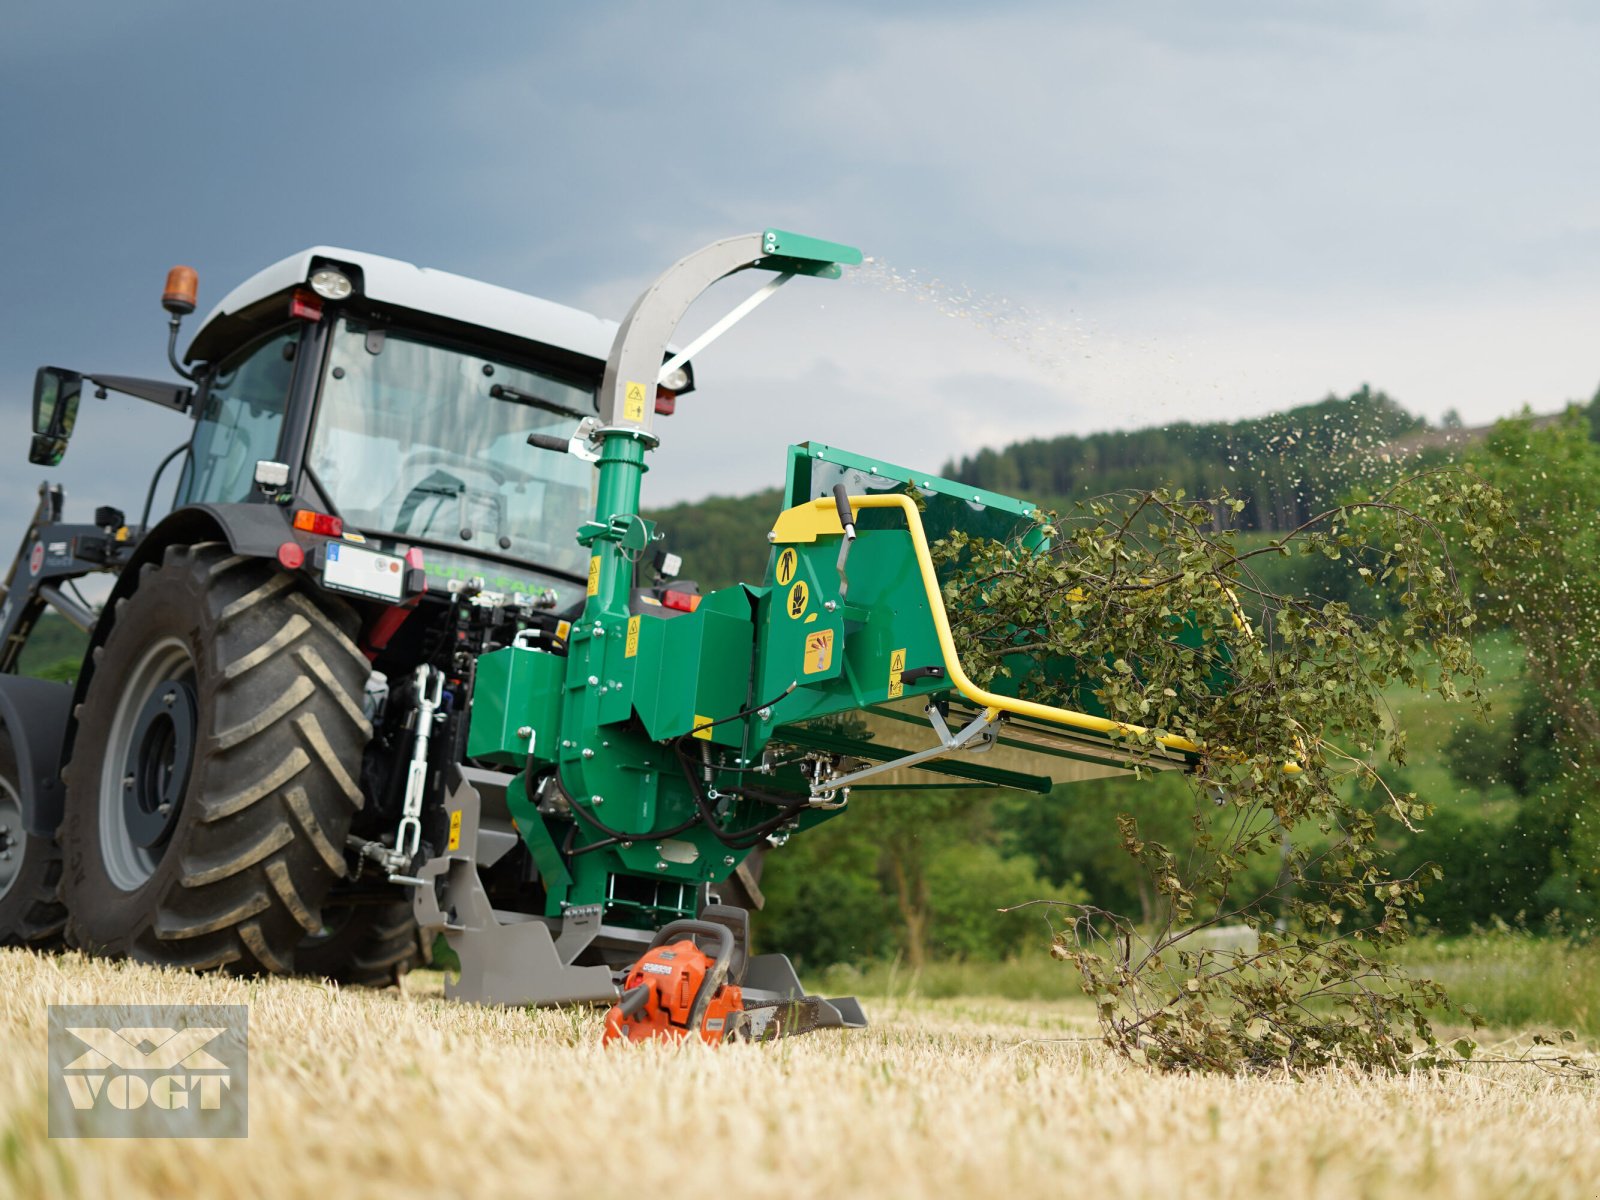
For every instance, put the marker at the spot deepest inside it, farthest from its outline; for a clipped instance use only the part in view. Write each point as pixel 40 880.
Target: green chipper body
pixel 660 746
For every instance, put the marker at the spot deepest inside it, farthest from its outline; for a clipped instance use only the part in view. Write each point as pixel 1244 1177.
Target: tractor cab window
pixel 427 442
pixel 240 422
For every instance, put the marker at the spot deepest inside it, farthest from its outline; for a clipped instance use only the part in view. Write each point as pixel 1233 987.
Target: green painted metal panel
pixel 696 665
pixel 536 836
pixel 798 245
pixel 514 689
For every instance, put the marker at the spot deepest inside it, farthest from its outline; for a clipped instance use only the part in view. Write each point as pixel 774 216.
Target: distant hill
pixel 1286 467
pixel 1283 466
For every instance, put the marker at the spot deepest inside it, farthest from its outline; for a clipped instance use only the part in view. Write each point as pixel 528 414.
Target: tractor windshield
pixel 427 442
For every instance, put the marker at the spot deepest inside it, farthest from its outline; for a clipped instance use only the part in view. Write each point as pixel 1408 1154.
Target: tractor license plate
pixel 348 568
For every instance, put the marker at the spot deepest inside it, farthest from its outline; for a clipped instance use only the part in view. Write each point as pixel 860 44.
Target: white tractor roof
pixel 455 297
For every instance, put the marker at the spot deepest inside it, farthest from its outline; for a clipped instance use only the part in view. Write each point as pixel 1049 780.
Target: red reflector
pixel 682 601
pixel 666 402
pixel 318 523
pixel 305 305
pixel 291 556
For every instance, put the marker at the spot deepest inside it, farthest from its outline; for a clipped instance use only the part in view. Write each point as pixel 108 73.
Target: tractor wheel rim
pixel 149 756
pixel 11 835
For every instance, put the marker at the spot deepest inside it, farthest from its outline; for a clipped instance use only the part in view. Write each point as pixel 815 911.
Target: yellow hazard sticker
pixel 786 565
pixel 702 727
pixel 633 402
pixel 562 629
pixel 819 651
pixel 455 830
pixel 897 663
pixel 633 638
pixel 594 576
pixel 798 596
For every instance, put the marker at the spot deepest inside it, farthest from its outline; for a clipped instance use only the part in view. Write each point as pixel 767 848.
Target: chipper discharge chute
pixel 665 739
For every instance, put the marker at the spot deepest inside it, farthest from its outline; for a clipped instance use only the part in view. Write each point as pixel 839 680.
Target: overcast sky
pixel 1081 216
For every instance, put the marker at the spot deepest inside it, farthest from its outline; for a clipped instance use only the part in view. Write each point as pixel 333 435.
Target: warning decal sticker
pixel 786 565
pixel 798 596
pixel 897 663
pixel 594 576
pixel 632 647
pixel 633 402
pixel 455 830
pixel 819 651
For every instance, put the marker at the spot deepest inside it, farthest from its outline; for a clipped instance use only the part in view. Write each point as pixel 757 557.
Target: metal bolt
pixel 593 680
pixel 660 865
pixel 597 801
pixel 728 860
pixel 599 629
pixel 764 713
pixel 127 781
pixel 169 698
pixel 627 845
pixel 525 732
pixel 588 753
pixel 164 808
pixel 829 605
pixel 772 537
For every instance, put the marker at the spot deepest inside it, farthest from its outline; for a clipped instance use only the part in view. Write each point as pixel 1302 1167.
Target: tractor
pixel 405 666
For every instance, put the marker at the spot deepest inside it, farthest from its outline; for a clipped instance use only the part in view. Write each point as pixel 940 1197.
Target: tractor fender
pixel 254 530
pixel 34 713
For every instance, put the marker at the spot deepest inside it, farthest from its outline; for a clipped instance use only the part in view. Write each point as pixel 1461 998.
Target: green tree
pixel 1548 593
pixel 1169 629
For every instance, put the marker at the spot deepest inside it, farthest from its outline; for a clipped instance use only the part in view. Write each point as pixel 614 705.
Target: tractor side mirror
pixel 55 411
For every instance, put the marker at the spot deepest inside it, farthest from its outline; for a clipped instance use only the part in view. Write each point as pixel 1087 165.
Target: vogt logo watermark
pixel 148 1070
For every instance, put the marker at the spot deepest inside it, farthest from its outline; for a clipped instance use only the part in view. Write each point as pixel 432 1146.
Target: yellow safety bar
pixel 806 522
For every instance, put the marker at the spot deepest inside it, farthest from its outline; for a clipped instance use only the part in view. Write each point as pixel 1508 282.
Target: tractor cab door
pixel 240 420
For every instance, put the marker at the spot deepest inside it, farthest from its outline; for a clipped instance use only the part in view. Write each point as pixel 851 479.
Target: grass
pixel 1429 719
pixel 402 1094
pixel 1515 979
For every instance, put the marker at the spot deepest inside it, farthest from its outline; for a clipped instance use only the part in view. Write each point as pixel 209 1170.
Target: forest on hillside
pixel 1284 467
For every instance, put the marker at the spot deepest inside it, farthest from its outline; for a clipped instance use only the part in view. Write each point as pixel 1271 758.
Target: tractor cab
pixel 400 401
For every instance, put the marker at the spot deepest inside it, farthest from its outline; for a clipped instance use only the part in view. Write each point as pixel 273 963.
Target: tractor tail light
pixel 666 402
pixel 682 601
pixel 291 556
pixel 319 523
pixel 305 305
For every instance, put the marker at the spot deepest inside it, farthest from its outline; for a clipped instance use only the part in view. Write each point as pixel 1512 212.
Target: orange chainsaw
pixel 678 990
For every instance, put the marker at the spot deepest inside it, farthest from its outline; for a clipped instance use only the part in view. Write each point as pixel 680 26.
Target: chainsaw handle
pixel 633 1000
pixel 673 929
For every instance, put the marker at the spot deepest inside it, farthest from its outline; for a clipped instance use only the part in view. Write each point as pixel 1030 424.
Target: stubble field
pixel 356 1093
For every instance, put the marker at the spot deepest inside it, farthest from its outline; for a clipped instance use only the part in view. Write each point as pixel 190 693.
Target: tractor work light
pixel 675 381
pixel 331 283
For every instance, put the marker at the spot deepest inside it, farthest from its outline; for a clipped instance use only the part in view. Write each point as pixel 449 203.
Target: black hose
pixel 150 496
pixel 618 835
pixel 736 839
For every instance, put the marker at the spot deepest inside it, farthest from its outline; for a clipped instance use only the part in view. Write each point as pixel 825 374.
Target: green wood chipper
pixel 406 664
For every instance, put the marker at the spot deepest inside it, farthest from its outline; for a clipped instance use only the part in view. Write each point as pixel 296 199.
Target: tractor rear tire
pixel 214 774
pixel 366 945
pixel 30 868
